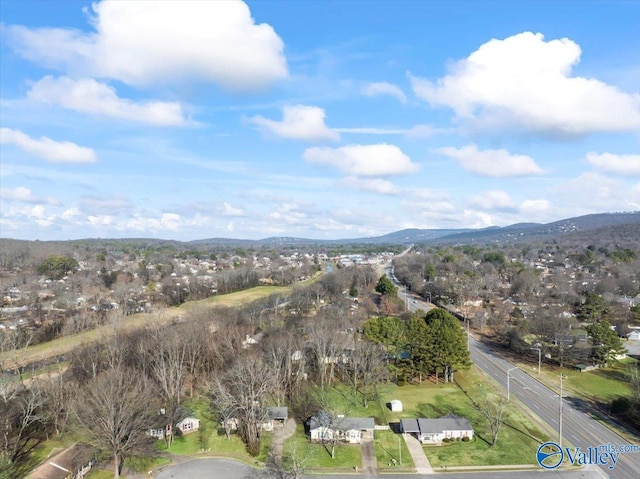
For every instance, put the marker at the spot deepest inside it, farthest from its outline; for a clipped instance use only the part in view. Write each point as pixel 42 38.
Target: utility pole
pixel 560 427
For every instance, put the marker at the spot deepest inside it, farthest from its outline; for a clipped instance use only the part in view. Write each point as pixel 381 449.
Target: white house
pixel 433 431
pixel 324 427
pixel 634 335
pixel 160 428
pixel 188 424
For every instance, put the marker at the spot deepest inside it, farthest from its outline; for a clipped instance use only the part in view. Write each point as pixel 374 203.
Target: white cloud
pixel 534 208
pixel 101 205
pixel 148 42
pixel 495 163
pixel 48 149
pixel 229 210
pixel 376 185
pixel 25 195
pixel 299 122
pixel 89 96
pixel 363 160
pixel 417 131
pixel 493 200
pixel 384 88
pixel 592 191
pixel 612 163
pixel 525 82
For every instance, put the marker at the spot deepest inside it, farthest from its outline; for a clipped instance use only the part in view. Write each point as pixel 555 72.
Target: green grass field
pixel 209 440
pixel 389 447
pixel 317 457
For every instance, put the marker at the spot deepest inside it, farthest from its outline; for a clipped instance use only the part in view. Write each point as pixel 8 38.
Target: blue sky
pixel 319 119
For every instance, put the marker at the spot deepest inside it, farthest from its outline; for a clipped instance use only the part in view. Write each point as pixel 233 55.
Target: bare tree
pixel 114 409
pixel 284 359
pixel 246 386
pixel 367 368
pixel 224 406
pixel 168 368
pixel 494 410
pixel 292 464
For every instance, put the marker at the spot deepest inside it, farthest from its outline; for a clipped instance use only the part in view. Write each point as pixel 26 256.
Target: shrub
pixel 446 439
pixel 465 439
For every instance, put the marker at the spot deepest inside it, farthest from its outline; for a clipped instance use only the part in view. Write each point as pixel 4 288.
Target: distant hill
pixel 602 224
pixel 494 234
pixel 531 231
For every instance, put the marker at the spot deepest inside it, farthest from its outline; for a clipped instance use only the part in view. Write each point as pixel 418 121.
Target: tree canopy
pixel 605 341
pixel 431 343
pixel 386 287
pixel 56 266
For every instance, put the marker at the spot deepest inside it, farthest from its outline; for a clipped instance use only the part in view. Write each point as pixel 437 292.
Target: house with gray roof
pixel 433 431
pixel 324 427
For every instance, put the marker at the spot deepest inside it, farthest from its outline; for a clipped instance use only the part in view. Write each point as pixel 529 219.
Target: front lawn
pixel 210 440
pixel 391 447
pixel 518 439
pixel 318 457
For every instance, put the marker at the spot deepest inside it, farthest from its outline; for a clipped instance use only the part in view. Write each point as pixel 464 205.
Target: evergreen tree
pixel 448 343
pixel 605 341
pixel 386 287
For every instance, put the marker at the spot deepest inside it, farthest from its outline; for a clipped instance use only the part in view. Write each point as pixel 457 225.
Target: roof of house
pixel 323 418
pixel 449 422
pixel 277 412
pixel 357 423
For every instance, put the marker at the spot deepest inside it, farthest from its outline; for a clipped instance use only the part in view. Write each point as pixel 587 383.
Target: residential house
pixel 275 417
pixel 324 427
pixel 433 431
pixel 160 429
pixel 634 335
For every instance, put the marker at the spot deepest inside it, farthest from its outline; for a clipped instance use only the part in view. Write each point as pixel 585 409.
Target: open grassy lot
pixel 317 457
pixel 389 447
pixel 599 385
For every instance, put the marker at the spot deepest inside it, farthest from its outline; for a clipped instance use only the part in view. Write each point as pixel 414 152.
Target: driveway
pixel 281 434
pixel 417 454
pixel 369 463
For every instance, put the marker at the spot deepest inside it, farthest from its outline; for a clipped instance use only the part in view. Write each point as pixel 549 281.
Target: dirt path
pixel 280 435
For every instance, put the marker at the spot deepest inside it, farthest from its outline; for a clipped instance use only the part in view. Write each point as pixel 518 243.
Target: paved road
pixel 214 468
pixel 578 427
